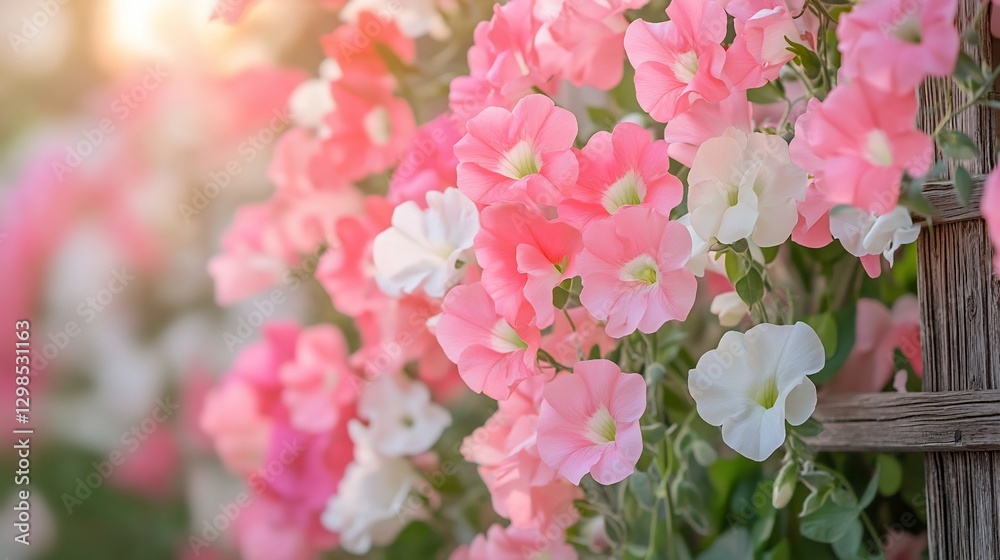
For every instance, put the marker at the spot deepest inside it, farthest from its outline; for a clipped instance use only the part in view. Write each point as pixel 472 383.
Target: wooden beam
pixel 941 195
pixel 921 422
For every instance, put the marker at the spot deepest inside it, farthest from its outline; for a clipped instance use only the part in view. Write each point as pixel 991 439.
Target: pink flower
pixel 705 120
pixel 355 47
pixel 895 44
pixel 394 334
pixel 858 142
pixel 428 164
pixel 572 338
pixel 621 168
pixel 679 61
pixel 760 49
pixel 813 227
pixel 990 205
pixel 633 269
pixel 346 271
pixel 504 65
pixel 523 488
pixel 492 356
pixel 319 383
pixel 589 422
pixel 878 334
pixel 901 545
pixel 524 257
pixel 524 155
pixel 513 543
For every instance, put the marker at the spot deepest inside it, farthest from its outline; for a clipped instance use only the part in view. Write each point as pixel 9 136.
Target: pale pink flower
pixel 858 142
pixel 625 167
pixel 492 356
pixel 394 334
pixel 574 337
pixel 679 61
pixel 878 333
pixel 514 543
pixel 522 487
pixel 895 44
pixel 760 49
pixel 524 257
pixel 319 382
pixel 589 422
pixel 705 120
pixel 428 164
pixel 232 416
pixel 813 227
pixel 355 48
pixel 347 271
pixel 633 269
pixel 867 235
pixel 521 155
pixel 990 205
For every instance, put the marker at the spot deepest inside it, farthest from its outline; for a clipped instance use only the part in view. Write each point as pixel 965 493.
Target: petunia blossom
pixel 624 167
pixel 633 269
pixel 895 44
pixel 754 382
pixel 515 543
pixel 589 422
pixel 745 187
pixel 524 257
pixel 760 49
pixel 521 155
pixel 858 142
pixel 402 420
pixel 705 120
pixel 867 235
pixel 492 356
pixel 428 164
pixel 426 249
pixel 681 60
pixel 319 382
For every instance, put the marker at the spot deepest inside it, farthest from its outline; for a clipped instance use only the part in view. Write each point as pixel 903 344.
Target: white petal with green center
pixel 378 126
pixel 601 426
pixel 520 161
pixel 504 339
pixel 877 148
pixel 630 190
pixel 685 66
pixel 640 269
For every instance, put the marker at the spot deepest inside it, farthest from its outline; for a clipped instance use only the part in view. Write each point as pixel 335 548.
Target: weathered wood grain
pixel 920 422
pixel 941 195
pixel 960 328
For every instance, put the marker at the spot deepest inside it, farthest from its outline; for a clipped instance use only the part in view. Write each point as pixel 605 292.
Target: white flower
pixel 372 500
pixel 415 18
pixel 753 382
pixel 312 100
pixel 730 308
pixel 863 234
pixel 699 248
pixel 402 420
pixel 745 186
pixel 426 248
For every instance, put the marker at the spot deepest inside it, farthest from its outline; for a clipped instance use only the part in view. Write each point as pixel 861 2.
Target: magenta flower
pixel 633 269
pixel 589 422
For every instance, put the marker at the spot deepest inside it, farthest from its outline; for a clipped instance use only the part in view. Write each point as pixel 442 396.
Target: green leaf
pixel 846 318
pixel 869 495
pixel 731 545
pixel 807 59
pixel 957 145
pixel 846 546
pixel 735 268
pixel 830 522
pixel 825 325
pixel 601 117
pixel 963 185
pixel 765 94
pixel 750 288
pixel 740 246
pixel 770 253
pixel 968 73
pixel 418 540
pixel 811 427
pixel 640 485
pixel 891 477
pixel 559 297
pixel 780 552
pixel 703 453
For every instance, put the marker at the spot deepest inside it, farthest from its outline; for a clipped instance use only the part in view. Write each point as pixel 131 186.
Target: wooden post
pixel 960 331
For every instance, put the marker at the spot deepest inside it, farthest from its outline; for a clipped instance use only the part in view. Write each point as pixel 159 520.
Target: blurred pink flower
pixel 524 257
pixel 894 44
pixel 990 205
pixel 900 545
pixel 878 333
pixel 624 167
pixel 521 155
pixel 153 468
pixel 589 422
pixel 513 543
pixel 346 271
pixel 319 383
pixel 568 340
pixel 492 356
pixel 858 142
pixel 705 120
pixel 355 48
pixel 633 269
pixel 428 164
pixel 394 334
pixel 679 61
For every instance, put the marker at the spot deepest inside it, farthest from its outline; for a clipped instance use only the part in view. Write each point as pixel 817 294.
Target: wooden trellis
pixel 956 420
